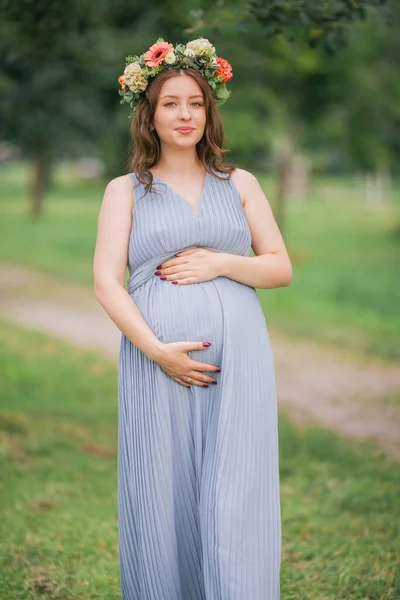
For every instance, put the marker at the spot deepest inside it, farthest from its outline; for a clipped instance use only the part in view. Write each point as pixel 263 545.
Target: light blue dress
pixel 198 470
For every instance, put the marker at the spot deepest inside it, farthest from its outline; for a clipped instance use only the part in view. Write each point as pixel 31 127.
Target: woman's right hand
pixel 174 359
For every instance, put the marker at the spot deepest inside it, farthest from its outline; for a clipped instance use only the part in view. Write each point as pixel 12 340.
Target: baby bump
pixel 190 313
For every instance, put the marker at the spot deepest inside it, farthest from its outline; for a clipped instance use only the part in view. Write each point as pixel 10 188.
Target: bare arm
pixel 271 267
pixel 110 263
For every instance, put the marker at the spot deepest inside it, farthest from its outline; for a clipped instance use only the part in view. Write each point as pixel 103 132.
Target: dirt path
pixel 340 390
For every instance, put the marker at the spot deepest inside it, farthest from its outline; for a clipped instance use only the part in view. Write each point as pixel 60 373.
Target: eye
pixel 169 103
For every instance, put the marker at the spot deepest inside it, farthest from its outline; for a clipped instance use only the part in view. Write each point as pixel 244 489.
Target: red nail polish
pixel 206 344
pixel 159 267
pixel 174 282
pixel 157 273
pixel 163 277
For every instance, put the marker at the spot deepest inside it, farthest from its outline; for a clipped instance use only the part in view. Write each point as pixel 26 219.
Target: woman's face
pixel 180 104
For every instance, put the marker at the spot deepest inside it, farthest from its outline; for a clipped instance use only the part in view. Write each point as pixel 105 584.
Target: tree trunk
pixel 286 154
pixel 297 180
pixel 283 168
pixel 40 181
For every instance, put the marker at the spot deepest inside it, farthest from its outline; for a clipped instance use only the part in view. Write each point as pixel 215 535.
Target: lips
pixel 185 128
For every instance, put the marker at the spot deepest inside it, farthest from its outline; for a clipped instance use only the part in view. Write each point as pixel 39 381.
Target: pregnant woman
pixel 198 469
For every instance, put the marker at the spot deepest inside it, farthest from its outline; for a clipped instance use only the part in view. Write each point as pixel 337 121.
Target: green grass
pixel 345 255
pixel 58 492
pixel 61 242
pixel 345 288
pixel 59 537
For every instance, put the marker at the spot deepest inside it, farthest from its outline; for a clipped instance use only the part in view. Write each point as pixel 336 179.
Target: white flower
pixel 201 47
pixel 189 52
pixel 134 78
pixel 170 58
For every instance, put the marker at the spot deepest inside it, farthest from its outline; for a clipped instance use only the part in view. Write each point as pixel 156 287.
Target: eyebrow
pixel 170 96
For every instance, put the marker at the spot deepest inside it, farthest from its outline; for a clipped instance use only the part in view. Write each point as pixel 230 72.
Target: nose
pixel 184 112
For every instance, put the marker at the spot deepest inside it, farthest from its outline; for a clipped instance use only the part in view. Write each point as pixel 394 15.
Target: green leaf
pixel 222 93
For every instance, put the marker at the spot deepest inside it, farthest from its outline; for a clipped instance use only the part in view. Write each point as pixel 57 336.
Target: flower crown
pixel 199 54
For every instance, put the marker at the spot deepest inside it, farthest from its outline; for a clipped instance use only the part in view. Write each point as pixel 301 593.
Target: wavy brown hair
pixel 145 146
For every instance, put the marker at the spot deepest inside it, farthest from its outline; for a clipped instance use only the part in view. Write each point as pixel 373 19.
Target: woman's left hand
pixel 192 266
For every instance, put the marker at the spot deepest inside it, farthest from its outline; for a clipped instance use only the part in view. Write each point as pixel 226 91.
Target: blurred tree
pixel 48 102
pixel 302 76
pixel 367 108
pixel 60 63
pixel 318 23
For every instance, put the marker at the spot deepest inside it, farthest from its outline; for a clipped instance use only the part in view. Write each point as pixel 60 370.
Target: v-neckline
pixel 197 214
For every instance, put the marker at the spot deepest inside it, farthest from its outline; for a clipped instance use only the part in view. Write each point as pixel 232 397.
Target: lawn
pixel 59 537
pixel 345 254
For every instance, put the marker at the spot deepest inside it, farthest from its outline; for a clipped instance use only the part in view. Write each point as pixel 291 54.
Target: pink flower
pixel 156 53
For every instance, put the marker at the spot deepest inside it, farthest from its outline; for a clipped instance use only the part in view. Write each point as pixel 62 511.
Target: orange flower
pixel 225 69
pixel 121 81
pixel 156 53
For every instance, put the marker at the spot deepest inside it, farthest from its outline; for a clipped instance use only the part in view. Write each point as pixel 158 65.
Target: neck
pixel 180 162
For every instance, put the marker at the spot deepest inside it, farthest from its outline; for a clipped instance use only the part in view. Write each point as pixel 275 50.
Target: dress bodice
pixel 164 223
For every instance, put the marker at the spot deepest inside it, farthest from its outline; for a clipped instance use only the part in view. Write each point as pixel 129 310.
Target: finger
pixel 186 281
pixel 189 346
pixel 175 273
pixel 179 380
pixel 197 376
pixel 203 378
pixel 184 252
pixel 200 366
pixel 199 383
pixel 169 264
pixel 193 380
pixel 176 268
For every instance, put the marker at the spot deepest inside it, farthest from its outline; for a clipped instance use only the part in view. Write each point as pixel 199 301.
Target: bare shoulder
pixel 245 182
pixel 123 184
pixel 119 192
